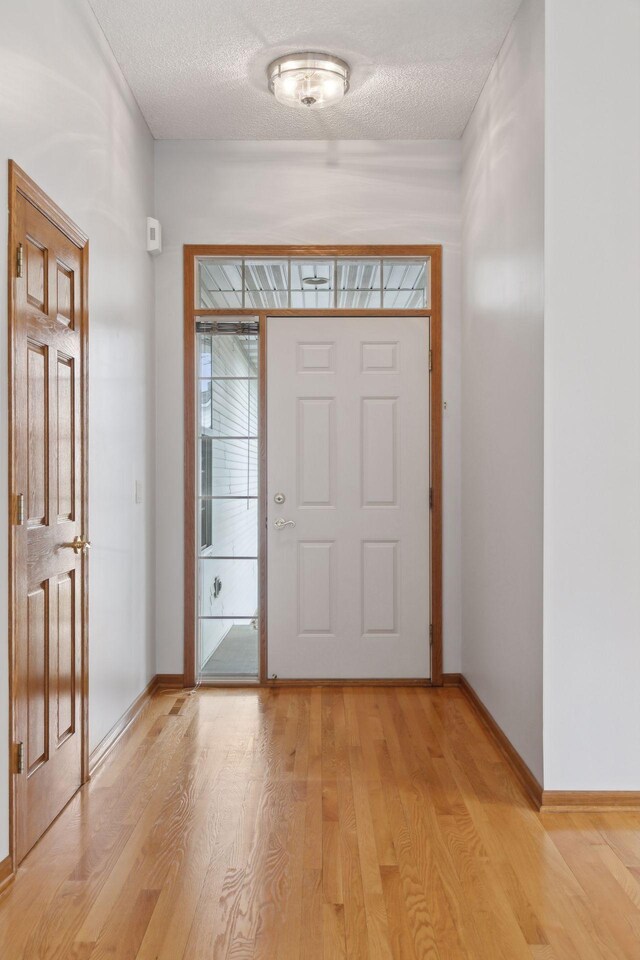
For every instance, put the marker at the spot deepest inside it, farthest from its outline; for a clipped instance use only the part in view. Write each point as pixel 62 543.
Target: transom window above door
pixel 352 283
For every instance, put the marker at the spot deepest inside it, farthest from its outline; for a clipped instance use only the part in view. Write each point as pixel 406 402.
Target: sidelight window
pixel 228 499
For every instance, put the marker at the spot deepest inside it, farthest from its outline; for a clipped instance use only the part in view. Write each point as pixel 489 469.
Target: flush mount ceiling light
pixel 308 80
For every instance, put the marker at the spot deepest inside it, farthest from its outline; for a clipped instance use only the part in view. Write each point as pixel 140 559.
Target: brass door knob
pixel 78 544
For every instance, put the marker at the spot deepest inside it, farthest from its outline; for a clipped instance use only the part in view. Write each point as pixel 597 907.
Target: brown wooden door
pixel 49 576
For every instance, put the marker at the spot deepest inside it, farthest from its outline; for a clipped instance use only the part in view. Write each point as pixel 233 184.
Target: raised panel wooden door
pixel 348 448
pixel 48 592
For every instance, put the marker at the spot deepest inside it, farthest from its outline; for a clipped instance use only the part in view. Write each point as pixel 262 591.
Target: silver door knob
pixel 281 522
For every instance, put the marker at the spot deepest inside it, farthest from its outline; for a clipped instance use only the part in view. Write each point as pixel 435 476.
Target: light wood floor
pixel 320 823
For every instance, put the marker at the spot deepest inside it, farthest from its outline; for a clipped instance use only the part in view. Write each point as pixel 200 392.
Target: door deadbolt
pixel 279 498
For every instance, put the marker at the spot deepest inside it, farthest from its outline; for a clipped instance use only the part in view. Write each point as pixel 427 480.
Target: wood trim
pixel 21 184
pixel 451 679
pixel 525 777
pixel 84 466
pixel 434 313
pixel 7 874
pixel 312 250
pixel 546 801
pixel 228 683
pixel 100 753
pixel 436 466
pixel 161 681
pixel 166 681
pixel 263 506
pixel 12 241
pixel 573 801
pixel 190 569
pixel 403 682
pixel 310 312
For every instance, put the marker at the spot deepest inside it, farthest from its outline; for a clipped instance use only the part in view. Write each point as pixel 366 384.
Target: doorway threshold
pixel 228 682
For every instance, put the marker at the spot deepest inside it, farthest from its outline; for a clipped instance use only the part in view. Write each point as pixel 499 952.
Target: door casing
pixel 22 185
pixel 191 312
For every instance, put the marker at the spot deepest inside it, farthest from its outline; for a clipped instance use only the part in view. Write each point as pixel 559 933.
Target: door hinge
pixel 430 360
pixel 430 498
pixel 20 513
pixel 430 634
pixel 20 757
pixel 20 261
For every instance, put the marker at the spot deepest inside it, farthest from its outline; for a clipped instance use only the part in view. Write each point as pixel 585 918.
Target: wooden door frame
pixel 433 252
pixel 22 185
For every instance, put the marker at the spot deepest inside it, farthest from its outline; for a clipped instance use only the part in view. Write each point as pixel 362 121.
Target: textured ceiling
pixel 197 67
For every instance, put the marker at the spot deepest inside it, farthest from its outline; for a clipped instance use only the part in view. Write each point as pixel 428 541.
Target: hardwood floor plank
pixel 334 941
pixel 312 934
pixel 375 908
pixel 331 862
pixel 421 885
pixel 193 921
pixel 317 824
pixel 355 920
pixel 400 934
pixel 170 923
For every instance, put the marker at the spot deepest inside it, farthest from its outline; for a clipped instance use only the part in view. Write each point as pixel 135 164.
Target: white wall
pixel 298 192
pixel 68 119
pixel 502 392
pixel 592 396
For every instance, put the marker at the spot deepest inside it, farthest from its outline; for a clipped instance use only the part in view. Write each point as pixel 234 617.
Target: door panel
pixel 37 274
pixel 66 438
pixel 379 451
pixel 37 676
pixel 66 648
pixel 379 587
pixel 65 295
pixel 348 446
pixel 316 588
pixel 316 451
pixel 48 575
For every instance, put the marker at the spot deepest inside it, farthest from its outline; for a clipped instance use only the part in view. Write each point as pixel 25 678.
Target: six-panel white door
pixel 348 449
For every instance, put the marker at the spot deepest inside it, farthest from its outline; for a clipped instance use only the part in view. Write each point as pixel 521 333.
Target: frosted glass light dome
pixel 308 80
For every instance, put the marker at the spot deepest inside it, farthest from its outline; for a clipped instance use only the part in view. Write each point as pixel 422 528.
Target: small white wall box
pixel 154 236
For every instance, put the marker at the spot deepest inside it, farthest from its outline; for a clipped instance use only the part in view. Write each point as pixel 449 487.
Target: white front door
pixel 348 450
